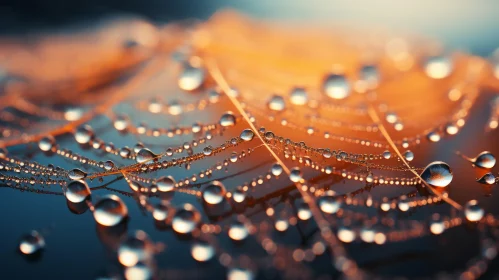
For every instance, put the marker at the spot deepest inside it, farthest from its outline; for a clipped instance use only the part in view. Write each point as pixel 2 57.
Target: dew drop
pixel 328 203
pixel 276 103
pixel 165 184
pixel 433 136
pixel 345 234
pixel 276 169
pixel 437 226
pixel 77 191
pixel 247 135
pixel 46 143
pixel 438 67
pixel 473 212
pixel 488 179
pixel 391 117
pixel 175 108
pixel 485 160
pixel 239 274
pixel 387 154
pixel 110 211
pixel 369 74
pixel 136 248
pixel 295 175
pixel 336 86
pixel 77 174
pixel 298 96
pixel 451 129
pixel 160 212
pixel 408 155
pixel 84 134
pixel 31 243
pixel 145 155
pixel 239 195
pixel 121 123
pixel 227 119
pixel 303 212
pixel 437 174
pixel 186 219
pixel 191 78
pixel 403 204
pixel 202 251
pixel 238 231
pixel 214 193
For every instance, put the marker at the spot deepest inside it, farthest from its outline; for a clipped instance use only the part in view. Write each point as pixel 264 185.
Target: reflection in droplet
pixel 77 191
pixel 328 203
pixel 276 103
pixel 276 169
pixel 387 154
pixel 408 155
pixel 488 179
pixel 367 234
pixel 214 193
pixel 165 184
pixel 191 77
pixel 31 243
pixel 437 226
pixel 76 174
pixel 46 143
pixel 110 211
pixel 145 155
pixel 369 74
pixel 160 212
pixel 247 135
pixel 437 174
pixel 202 251
pixel 136 248
pixel 438 67
pixel 239 195
pixel 84 134
pixel 336 86
pixel 295 175
pixel 227 119
pixel 473 212
pixel 298 96
pixel 485 160
pixel 186 219
pixel 281 225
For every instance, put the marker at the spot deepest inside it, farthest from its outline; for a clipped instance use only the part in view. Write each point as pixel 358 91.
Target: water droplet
pixel 408 155
pixel 298 96
pixel 369 74
pixel 403 204
pixel 488 179
pixel 145 156
pixel 336 86
pixel 346 234
pixel 155 106
pixel 438 67
pixel 214 193
pixel 370 178
pixel 110 211
pixel 437 226
pixel 239 195
pixel 328 203
pixel 238 231
pixel 202 251
pixel 77 174
pixel 451 129
pixel 367 234
pixel 276 169
pixel 239 274
pixel 247 135
pixel 140 271
pixel 295 175
pixel 73 114
pixel 175 108
pixel 191 78
pixel 387 154
pixel 136 248
pixel 77 191
pixel 227 119
pixel 31 243
pixel 46 143
pixel 473 212
pixel 276 103
pixel 165 184
pixel 303 212
pixel 121 123
pixel 485 160
pixel 207 150
pixel 433 136
pixel 186 219
pixel 84 134
pixel 160 212
pixel 437 174
pixel 391 117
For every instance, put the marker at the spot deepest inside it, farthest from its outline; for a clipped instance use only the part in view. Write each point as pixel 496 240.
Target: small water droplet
pixel 121 123
pixel 346 234
pixel 276 169
pixel 238 231
pixel 298 96
pixel 160 212
pixel 110 211
pixel 328 203
pixel 437 174
pixel 227 119
pixel 191 78
pixel 247 135
pixel 136 248
pixel 77 174
pixel 239 195
pixel 202 251
pixel 165 184
pixel 303 212
pixel 186 219
pixel 391 117
pixel 387 154
pixel 46 143
pixel 239 274
pixel 31 243
pixel 207 150
pixel 408 155
pixel 175 108
pixel 485 160
pixel 295 175
pixel 276 103
pixel 437 226
pixel 433 136
pixel 145 156
pixel 84 134
pixel 336 86
pixel 77 191
pixel 488 179
pixel 214 193
pixel 473 212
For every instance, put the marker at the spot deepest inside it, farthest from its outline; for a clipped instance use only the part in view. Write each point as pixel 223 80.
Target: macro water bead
pixel 77 191
pixel 110 211
pixel 437 174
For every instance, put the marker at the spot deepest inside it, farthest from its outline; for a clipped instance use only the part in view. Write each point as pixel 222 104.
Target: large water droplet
pixel 214 193
pixel 433 136
pixel 303 212
pixel 437 174
pixel 46 143
pixel 328 203
pixel 438 67
pixel 473 212
pixel 175 108
pixel 31 243
pixel 298 96
pixel 77 174
pixel 336 86
pixel 276 169
pixel 387 154
pixel 437 226
pixel 295 175
pixel 408 155
pixel 77 191
pixel 110 211
pixel 160 212
pixel 191 77
pixel 145 156
pixel 276 103
pixel 227 119
pixel 136 248
pixel 485 160
pixel 238 231
pixel 202 251
pixel 186 219
pixel 369 75
pixel 247 135
pixel 165 184
pixel 84 134
pixel 488 179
